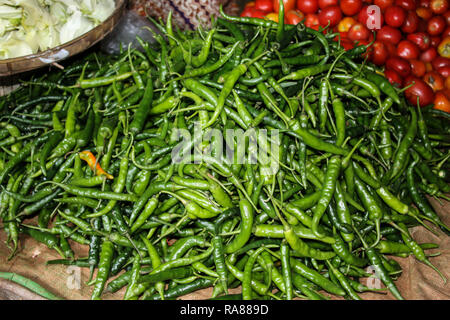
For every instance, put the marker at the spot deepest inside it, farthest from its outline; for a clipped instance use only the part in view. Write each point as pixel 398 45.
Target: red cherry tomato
pixel 370 18
pixel 250 4
pixel 383 4
pixel 428 55
pixel 288 5
pixel 391 48
pixel 440 62
pixel 406 4
pixel 447 17
pixel 439 6
pixel 258 13
pixel 393 77
pixel 328 3
pixel 308 6
pixel 264 5
pixel 330 16
pixel 421 39
pixel 389 34
pixel 247 12
pixel 394 16
pixel 434 80
pixel 446 32
pixel 350 7
pixel 418 92
pixel 424 13
pixel 444 71
pixel 418 68
pixel 434 41
pixel 400 65
pixel 407 50
pixel 358 32
pixel 346 44
pixel 365 42
pixel 312 21
pixel 295 17
pixel 411 22
pixel 344 35
pixel 378 53
pixel 424 3
pixel 442 101
pixel 436 25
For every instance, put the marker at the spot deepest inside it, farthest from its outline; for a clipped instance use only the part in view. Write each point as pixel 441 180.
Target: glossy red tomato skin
pixel 418 68
pixel 383 4
pixel 328 3
pixel 421 39
pixel 247 12
pixel 442 101
pixel 258 14
pixel 411 22
pixel 288 5
pixel 389 34
pixel 407 50
pixel 400 65
pixel 330 15
pixel 391 48
pixel 358 32
pixel 444 71
pixel 347 44
pixel 394 16
pixel 378 53
pixel 435 40
pixel 419 90
pixel 436 25
pixel 406 4
pixel 439 6
pixel 264 5
pixel 350 7
pixel 446 32
pixel 294 17
pixel 428 55
pixel 308 6
pixel 440 62
pixel 446 16
pixel 424 3
pixel 394 78
pixel 312 21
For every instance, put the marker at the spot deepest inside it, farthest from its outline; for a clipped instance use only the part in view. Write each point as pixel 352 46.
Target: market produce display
pixel 409 38
pixel 88 156
pixel 31 26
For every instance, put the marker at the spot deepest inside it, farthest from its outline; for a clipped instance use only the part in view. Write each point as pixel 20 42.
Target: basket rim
pixel 49 54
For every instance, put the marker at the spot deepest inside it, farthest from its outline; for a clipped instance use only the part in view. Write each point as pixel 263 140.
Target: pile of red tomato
pixel 412 37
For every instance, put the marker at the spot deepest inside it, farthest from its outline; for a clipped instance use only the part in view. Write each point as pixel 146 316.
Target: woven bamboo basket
pixel 14 66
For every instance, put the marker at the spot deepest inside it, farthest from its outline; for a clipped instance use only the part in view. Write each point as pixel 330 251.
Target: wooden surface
pixel 18 65
pixel 417 282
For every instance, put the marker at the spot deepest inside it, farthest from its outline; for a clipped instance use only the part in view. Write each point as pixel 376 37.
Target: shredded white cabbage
pixel 30 26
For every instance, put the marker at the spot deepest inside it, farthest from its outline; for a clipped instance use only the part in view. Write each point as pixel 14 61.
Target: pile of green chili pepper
pixel 87 150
